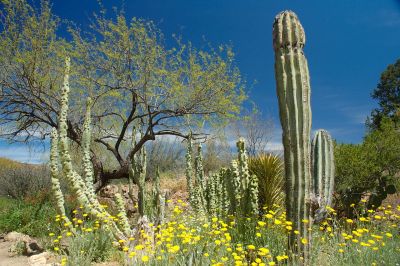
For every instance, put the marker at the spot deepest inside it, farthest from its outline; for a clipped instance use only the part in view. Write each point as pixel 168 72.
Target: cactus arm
pixel 323 165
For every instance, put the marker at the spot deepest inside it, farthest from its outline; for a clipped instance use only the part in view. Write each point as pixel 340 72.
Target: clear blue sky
pixel 349 43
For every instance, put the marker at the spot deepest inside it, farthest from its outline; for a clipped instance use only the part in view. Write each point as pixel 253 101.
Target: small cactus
pixel 323 168
pixel 231 190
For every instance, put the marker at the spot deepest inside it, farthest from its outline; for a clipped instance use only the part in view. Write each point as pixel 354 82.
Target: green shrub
pixel 86 248
pixel 32 218
pixel 269 170
pixel 368 169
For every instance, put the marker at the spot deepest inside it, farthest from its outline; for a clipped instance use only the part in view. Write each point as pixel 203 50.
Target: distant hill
pixel 6 163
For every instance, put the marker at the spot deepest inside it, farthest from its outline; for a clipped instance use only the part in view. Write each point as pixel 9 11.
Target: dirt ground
pixel 6 260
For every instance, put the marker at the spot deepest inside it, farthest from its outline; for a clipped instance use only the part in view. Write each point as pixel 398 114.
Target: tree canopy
pixel 369 167
pixel 123 64
pixel 387 93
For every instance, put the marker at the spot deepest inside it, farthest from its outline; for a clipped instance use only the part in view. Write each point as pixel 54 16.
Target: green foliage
pixel 387 93
pixel 369 167
pixel 90 247
pixel 125 66
pixel 269 170
pixel 352 166
pixel 33 218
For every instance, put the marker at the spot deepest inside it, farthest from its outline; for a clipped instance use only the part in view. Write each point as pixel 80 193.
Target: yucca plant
pixel 269 170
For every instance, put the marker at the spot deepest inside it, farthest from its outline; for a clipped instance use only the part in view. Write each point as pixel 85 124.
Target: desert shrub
pixel 31 218
pixel 85 248
pixel 269 170
pixel 216 154
pixel 166 154
pixel 24 181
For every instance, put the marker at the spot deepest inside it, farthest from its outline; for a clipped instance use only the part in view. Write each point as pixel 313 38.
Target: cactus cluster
pixel 293 90
pixel 82 185
pixel 230 191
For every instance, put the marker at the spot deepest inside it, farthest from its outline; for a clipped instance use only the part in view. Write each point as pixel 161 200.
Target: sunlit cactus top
pixel 287 31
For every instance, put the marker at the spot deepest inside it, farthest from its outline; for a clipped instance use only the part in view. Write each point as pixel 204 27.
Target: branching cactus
pixel 323 168
pixel 293 89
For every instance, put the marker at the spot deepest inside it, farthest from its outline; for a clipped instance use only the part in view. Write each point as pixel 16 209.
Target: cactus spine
pixel 293 89
pixel 323 167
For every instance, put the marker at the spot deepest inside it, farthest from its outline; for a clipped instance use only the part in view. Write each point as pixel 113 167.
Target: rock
pixel 15 237
pixel 38 260
pixel 108 191
pixel 23 244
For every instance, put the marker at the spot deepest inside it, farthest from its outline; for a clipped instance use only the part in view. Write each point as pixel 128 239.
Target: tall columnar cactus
pixel 323 168
pixel 293 89
pixel 189 168
pixel 248 183
pixel 87 164
pixel 137 172
pixel 59 197
pixel 77 184
pixel 123 219
pixel 159 199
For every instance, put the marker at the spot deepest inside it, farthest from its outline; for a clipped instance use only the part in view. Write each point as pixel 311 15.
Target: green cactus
pixel 137 172
pixel 293 89
pixel 159 199
pixel 189 169
pixel 124 222
pixel 248 183
pixel 231 191
pixel 323 168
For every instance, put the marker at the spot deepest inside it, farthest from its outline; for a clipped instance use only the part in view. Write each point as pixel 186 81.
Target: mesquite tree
pixel 124 66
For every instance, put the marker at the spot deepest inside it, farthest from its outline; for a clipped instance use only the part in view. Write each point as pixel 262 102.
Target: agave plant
pixel 269 170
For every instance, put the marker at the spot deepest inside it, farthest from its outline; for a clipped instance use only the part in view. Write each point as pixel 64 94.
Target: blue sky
pixel 349 43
